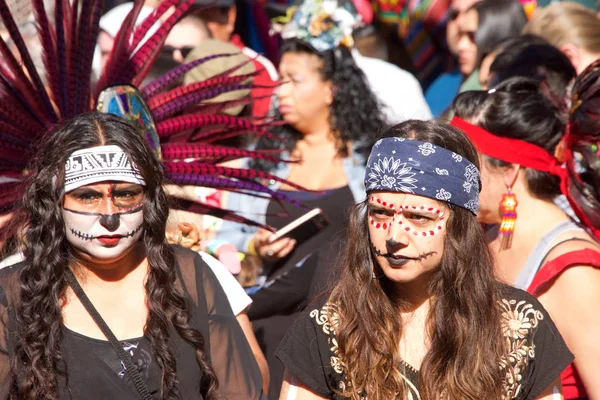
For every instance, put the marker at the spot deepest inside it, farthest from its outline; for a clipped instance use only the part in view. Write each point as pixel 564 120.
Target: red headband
pixel 509 150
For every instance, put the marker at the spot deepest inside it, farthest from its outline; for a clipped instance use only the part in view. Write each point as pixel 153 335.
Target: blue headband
pixel 424 169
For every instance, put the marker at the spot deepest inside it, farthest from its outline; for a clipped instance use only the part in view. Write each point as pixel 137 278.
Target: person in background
pixel 572 28
pixel 183 224
pixel 111 22
pixel 398 91
pixel 531 56
pixel 519 130
pixel 331 119
pixel 417 313
pixel 183 37
pixel 187 235
pixel 219 18
pixel 441 92
pixel 480 30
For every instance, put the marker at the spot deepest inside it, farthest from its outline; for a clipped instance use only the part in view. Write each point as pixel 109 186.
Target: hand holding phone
pixel 271 251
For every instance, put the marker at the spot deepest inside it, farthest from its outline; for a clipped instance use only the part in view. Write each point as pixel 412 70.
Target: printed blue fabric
pixel 424 169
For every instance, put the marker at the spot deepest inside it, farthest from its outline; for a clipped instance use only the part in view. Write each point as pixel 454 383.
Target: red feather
pixel 238 173
pixel 195 87
pixel 199 151
pixel 18 116
pixel 142 60
pixel 120 54
pixel 21 82
pixel 205 209
pixel 194 121
pixel 88 37
pixel 15 35
pixel 142 29
pixel 50 59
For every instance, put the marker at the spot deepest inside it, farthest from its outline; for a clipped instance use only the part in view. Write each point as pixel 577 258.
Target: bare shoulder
pixel 575 284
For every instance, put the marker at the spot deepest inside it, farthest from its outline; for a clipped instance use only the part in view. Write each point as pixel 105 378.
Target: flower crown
pixel 324 24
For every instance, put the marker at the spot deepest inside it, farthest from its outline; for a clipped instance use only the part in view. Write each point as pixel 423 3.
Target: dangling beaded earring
pixel 508 209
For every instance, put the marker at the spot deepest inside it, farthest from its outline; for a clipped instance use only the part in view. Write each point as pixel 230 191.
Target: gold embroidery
pixel 519 320
pixel 327 317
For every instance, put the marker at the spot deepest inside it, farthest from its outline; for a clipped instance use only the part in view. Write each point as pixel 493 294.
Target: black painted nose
pixel 110 221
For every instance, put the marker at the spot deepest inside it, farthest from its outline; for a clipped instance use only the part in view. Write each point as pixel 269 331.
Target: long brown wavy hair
pixel 37 360
pixel 463 324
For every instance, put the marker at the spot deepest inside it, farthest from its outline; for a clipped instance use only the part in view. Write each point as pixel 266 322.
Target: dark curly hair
pixel 37 358
pixel 519 108
pixel 356 114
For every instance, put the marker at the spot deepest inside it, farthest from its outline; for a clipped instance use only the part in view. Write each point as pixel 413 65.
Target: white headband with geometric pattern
pixel 97 164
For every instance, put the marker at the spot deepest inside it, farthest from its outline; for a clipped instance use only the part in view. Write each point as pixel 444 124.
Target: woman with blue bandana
pixel 417 313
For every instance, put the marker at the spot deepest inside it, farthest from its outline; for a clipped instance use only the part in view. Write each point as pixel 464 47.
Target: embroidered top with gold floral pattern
pixel 535 353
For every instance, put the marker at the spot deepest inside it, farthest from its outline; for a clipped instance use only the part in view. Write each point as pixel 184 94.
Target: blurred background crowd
pixel 506 66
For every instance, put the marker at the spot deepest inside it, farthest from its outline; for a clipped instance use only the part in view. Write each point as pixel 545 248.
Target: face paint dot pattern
pixel 400 215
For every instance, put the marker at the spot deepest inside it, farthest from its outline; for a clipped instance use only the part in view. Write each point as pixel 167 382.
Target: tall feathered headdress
pixel 180 124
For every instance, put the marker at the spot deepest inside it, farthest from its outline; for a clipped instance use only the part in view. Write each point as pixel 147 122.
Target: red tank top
pixel 571 383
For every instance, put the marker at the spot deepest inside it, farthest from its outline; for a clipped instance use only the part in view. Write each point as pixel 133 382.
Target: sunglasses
pixel 185 50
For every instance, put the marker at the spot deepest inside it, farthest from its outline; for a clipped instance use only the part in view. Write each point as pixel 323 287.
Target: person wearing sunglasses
pixel 442 91
pixel 480 30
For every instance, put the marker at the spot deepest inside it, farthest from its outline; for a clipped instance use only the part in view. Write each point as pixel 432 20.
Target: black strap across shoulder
pixel 125 358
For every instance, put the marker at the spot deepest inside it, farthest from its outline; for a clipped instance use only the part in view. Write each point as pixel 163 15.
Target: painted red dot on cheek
pixel 384 226
pixel 431 232
pixel 424 233
pixel 378 226
pixel 407 229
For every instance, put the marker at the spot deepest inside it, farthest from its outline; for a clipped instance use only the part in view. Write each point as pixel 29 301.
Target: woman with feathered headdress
pixel 87 188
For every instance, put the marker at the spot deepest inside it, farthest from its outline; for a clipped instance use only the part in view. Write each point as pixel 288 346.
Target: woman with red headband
pixel 518 128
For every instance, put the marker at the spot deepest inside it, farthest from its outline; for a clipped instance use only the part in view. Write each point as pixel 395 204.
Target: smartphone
pixel 302 228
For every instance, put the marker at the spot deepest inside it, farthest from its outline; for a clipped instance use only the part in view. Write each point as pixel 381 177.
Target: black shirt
pixel 94 371
pixel 536 351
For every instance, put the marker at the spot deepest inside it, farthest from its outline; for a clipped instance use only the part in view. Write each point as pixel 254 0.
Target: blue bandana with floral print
pixel 424 169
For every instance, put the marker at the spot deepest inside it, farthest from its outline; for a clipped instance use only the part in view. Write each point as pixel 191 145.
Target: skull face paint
pixel 104 220
pixel 401 255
